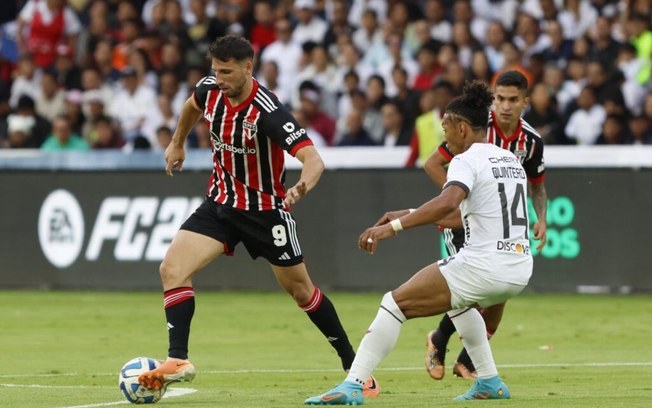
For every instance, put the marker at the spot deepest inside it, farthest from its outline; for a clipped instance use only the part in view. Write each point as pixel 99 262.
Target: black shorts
pixel 271 234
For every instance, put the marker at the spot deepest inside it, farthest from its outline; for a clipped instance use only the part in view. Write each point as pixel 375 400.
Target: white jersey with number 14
pixel 494 212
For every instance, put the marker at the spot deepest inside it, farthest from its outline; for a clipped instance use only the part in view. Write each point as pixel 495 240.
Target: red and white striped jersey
pixel 248 142
pixel 525 143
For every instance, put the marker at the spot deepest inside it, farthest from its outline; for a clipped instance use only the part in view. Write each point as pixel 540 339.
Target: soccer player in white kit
pixel 485 192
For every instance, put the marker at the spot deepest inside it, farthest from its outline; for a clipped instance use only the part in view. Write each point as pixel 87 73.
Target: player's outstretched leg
pixel 179 304
pixel 346 393
pixel 436 343
pixel 322 313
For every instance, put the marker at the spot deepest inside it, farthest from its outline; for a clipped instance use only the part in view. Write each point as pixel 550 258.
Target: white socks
pixel 471 327
pixel 380 339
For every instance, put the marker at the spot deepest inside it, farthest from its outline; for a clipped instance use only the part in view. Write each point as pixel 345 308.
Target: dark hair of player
pixel 473 105
pixel 230 47
pixel 512 78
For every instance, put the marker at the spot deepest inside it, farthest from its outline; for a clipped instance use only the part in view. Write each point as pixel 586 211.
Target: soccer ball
pixel 128 381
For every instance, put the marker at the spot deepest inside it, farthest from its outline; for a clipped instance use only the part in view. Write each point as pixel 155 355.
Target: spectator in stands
pixel 480 68
pixel 163 137
pixel 72 109
pixel 355 134
pixel 640 128
pixel 50 98
pixel 435 14
pixel 19 132
pixel 172 59
pixel 102 61
pixel 41 128
pixel 105 135
pixel 313 134
pixel 428 132
pixel 397 56
pixel 62 137
pixel 640 35
pixel 27 80
pixel 269 78
pixel 67 72
pixel 310 99
pixel 358 7
pixel 162 116
pixel 285 53
pixel 629 67
pixel 129 33
pixel 397 131
pixel 495 37
pixel 604 48
pixel 542 114
pixel 338 24
pixel 407 97
pixel 463 13
pixel 310 27
pixel 203 28
pixel 320 70
pixel 576 17
pixel 465 43
pixel 131 105
pixel 429 68
pixel 512 62
pixel 614 131
pixel 51 23
pixel 375 98
pixel 369 32
pixel 560 49
pixel 93 108
pixel 349 60
pixel 262 32
pixel 528 38
pixel 585 124
pixel 138 59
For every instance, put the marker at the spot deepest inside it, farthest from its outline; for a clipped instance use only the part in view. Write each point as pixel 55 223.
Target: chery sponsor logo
pixel 132 228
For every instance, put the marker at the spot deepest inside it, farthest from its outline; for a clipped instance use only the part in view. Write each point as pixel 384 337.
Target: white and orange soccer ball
pixel 128 381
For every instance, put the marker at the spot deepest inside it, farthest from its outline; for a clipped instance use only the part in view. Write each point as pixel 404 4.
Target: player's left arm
pixel 313 167
pixel 540 203
pixel 535 170
pixel 283 129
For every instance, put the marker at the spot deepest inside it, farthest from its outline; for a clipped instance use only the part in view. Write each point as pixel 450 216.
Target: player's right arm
pixel 435 166
pixel 175 153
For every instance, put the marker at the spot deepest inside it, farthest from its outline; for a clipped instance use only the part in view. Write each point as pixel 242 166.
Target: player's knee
pixel 389 304
pixel 169 274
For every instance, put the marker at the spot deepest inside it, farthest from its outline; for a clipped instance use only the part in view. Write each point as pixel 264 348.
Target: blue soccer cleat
pixel 490 388
pixel 346 393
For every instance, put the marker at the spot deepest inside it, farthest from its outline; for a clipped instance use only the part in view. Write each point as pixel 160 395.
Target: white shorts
pixel 469 284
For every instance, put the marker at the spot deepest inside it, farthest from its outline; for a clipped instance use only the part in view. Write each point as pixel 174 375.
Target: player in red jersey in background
pixel 246 202
pixel 507 130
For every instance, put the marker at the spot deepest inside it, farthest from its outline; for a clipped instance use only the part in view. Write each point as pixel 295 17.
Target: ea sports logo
pixel 61 228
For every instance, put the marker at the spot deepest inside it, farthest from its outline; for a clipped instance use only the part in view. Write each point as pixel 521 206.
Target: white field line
pixel 172 392
pixel 322 370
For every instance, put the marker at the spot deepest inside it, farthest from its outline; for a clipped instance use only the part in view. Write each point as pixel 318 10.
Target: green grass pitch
pixel 63 349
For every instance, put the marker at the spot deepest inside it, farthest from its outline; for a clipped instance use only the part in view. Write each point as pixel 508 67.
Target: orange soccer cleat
pixel 460 370
pixel 171 370
pixel 371 388
pixel 434 365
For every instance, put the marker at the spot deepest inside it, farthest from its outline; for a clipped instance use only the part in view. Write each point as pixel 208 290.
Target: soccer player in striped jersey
pixel 246 202
pixel 506 129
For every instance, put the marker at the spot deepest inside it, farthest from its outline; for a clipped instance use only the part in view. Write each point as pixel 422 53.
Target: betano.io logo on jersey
pixel 61 228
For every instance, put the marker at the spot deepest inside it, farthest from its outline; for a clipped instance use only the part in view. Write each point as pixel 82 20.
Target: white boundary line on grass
pixel 172 392
pixel 321 370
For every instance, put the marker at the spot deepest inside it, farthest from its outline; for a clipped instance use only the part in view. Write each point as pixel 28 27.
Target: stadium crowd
pixel 96 74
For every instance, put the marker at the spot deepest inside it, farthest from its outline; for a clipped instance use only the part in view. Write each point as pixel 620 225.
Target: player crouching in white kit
pixel 485 193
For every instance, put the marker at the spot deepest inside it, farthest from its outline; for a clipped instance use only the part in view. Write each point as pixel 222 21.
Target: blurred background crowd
pixel 96 74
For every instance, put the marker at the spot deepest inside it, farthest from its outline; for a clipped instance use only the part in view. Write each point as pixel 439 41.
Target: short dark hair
pixel 512 78
pixel 232 46
pixel 473 105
